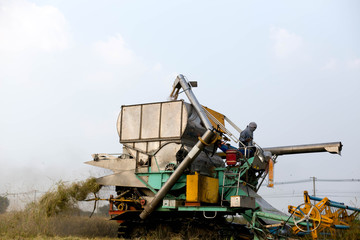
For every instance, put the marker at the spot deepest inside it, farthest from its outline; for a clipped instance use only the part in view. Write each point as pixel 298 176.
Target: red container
pixel 231 156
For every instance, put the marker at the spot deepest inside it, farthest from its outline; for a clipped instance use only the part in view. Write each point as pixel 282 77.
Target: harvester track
pixel 184 228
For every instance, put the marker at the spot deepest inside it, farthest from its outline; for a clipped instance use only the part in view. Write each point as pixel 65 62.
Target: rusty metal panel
pixel 141 158
pixel 150 124
pixel 129 148
pixel 166 155
pixel 152 146
pixel 171 120
pixel 124 178
pixel 115 164
pixel 130 123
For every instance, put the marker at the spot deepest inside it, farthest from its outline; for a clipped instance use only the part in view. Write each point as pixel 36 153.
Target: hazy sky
pixel 66 67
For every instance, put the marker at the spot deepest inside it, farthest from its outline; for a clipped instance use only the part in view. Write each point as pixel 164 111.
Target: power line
pixel 338 180
pixel 317 179
pixel 21 193
pixel 292 182
pixel 34 192
pixel 314 180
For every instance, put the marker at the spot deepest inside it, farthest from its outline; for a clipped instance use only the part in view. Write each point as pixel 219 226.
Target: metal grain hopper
pixel 155 138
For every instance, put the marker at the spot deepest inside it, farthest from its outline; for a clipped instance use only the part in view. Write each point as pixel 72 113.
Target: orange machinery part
pixel 271 173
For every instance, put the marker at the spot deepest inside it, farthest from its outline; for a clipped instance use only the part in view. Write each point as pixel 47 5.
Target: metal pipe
pixel 333 147
pixel 181 82
pixel 194 152
pixel 319 199
pixel 336 204
pixel 341 227
pixel 344 207
pixel 314 191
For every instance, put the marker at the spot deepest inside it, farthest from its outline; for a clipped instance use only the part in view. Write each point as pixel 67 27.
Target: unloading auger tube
pixel 332 147
pixel 206 138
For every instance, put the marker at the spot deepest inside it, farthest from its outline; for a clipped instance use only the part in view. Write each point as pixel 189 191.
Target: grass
pixel 23 225
pixel 352 234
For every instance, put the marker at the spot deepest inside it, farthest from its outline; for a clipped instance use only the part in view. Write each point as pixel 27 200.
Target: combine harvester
pixel 170 172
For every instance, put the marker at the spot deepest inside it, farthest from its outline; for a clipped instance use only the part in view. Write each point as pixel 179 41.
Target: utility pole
pixel 314 191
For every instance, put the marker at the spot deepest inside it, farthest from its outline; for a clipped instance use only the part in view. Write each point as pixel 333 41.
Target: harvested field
pixel 18 225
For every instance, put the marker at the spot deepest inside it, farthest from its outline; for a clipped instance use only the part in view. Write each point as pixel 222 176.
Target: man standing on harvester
pixel 246 138
pixel 246 141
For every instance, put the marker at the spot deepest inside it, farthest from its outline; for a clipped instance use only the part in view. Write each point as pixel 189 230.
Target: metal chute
pixel 332 147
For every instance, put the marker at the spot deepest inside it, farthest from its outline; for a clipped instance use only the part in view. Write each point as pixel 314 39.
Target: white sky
pixel 66 67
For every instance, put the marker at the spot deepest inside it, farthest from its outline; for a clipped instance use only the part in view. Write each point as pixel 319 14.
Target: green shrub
pixel 4 203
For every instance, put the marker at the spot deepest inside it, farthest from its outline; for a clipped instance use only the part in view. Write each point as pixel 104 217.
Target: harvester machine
pixel 170 169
